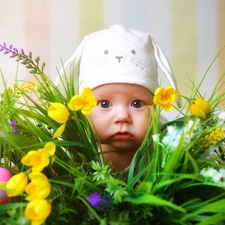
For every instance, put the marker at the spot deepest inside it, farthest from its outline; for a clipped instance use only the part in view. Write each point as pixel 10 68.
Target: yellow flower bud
pixel 38 188
pixel 36 159
pixel 37 211
pixel 84 102
pixel 16 185
pixel 58 112
pixel 200 108
pixel 164 97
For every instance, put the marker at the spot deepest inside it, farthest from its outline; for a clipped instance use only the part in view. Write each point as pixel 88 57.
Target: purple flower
pixel 12 122
pixel 15 130
pixel 30 54
pixel 97 199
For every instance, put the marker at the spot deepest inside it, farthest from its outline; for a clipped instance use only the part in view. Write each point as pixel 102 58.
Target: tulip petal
pixel 59 131
pixel 16 185
pixel 37 211
pixel 49 149
pixel 58 112
pixel 200 107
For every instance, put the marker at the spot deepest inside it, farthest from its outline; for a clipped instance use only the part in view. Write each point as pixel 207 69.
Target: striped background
pixel 191 32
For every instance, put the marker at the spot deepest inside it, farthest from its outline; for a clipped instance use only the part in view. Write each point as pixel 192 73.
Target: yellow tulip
pixel 84 102
pixel 37 211
pixel 38 188
pixel 164 97
pixel 36 159
pixel 49 149
pixel 16 184
pixel 200 107
pixel 58 112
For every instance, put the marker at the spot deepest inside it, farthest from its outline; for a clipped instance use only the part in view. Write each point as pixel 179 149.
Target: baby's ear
pixel 164 65
pixel 70 71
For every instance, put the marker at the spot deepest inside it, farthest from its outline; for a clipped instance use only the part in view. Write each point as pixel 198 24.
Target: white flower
pixel 191 129
pixel 222 115
pixel 222 171
pixel 155 137
pixel 217 176
pixel 171 130
pixel 189 125
pixel 187 133
pixel 172 137
pixel 166 140
pixel 209 172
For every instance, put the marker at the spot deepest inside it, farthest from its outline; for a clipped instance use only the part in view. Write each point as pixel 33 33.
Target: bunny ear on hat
pixel 71 69
pixel 164 65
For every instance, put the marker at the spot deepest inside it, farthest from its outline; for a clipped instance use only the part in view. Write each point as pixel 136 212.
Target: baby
pixel 120 66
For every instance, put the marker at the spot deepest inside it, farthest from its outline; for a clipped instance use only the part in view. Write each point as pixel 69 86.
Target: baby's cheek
pixel 95 126
pixel 147 114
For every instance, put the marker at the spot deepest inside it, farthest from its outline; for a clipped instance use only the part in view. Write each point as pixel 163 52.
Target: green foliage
pixel 165 184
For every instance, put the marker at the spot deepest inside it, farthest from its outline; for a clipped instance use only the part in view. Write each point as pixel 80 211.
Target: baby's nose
pixel 122 116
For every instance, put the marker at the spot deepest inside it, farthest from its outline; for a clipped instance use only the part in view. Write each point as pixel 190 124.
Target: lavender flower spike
pixel 23 58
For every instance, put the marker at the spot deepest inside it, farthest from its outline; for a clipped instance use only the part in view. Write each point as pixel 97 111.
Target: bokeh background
pixel 191 32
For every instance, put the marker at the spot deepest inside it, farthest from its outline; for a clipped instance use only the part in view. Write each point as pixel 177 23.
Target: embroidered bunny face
pixel 116 52
pixel 112 56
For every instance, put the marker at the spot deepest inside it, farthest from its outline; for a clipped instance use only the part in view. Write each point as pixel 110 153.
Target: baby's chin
pixel 120 147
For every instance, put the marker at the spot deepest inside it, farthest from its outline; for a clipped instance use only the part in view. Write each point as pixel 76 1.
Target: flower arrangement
pixel 59 175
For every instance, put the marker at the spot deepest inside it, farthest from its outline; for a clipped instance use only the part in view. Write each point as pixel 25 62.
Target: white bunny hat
pixel 119 55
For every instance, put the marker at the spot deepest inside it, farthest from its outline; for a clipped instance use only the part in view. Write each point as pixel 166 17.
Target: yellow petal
pixel 200 107
pixel 16 184
pixel 37 211
pixel 164 97
pixel 38 188
pixel 58 112
pixel 84 102
pixel 49 149
pixel 59 131
pixel 168 107
pixel 30 157
pixel 37 175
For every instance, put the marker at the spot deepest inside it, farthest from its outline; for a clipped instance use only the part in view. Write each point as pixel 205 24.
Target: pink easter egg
pixel 5 175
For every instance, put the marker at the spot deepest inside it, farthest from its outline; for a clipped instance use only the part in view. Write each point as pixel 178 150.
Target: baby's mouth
pixel 122 136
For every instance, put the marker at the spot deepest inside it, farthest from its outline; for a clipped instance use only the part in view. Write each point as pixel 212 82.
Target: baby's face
pixel 121 117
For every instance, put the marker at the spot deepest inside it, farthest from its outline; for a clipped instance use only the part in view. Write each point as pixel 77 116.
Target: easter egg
pixel 5 175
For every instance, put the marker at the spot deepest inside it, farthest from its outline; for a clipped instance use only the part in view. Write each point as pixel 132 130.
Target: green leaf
pixel 212 219
pixel 153 200
pixel 16 140
pixel 8 206
pixel 211 207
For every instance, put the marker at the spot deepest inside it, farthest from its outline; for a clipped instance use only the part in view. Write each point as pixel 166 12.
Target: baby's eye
pixel 137 104
pixel 105 104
